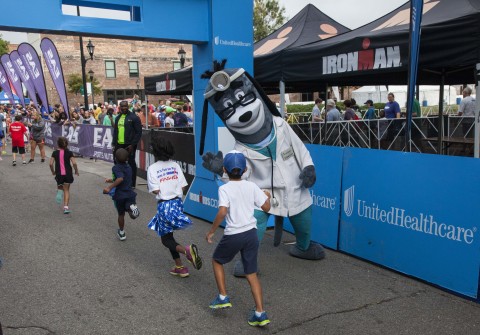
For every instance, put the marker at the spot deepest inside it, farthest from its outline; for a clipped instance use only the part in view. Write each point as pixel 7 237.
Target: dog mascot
pixel 277 160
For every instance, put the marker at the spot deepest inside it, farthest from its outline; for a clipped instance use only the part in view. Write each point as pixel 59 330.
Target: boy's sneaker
pixel 220 303
pixel 31 161
pixel 66 210
pixel 180 271
pixel 59 197
pixel 24 163
pixel 134 212
pixel 191 252
pixel 121 236
pixel 14 163
pixel 42 160
pixel 258 321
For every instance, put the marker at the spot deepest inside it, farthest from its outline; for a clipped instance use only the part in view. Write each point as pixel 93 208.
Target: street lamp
pixel 90 49
pixel 181 55
pixel 91 73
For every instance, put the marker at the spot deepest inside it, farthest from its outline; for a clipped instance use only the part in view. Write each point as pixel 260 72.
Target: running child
pixel 121 191
pixel 63 160
pixel 17 129
pixel 237 200
pixel 166 180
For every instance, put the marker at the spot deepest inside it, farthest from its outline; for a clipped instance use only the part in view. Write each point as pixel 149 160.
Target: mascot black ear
pixel 271 106
pixel 204 126
pixel 207 75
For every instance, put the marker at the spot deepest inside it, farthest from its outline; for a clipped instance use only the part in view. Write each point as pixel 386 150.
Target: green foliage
pixel 267 17
pixel 3 46
pixel 75 84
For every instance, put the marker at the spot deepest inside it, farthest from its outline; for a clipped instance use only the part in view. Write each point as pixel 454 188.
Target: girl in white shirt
pixel 166 180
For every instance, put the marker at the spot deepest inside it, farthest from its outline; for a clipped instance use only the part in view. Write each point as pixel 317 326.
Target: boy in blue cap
pixel 237 200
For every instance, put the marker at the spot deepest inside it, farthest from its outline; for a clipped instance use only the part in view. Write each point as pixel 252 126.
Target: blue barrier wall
pixel 325 194
pixel 414 213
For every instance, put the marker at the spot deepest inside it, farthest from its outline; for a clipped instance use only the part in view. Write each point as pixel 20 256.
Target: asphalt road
pixel 69 274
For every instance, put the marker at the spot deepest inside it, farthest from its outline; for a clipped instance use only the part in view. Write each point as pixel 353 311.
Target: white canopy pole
pixel 282 97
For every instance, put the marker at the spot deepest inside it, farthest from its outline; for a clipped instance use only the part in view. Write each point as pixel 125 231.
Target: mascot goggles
pixel 220 82
pixel 245 100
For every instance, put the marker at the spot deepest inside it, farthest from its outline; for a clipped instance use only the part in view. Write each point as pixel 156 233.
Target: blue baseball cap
pixel 234 160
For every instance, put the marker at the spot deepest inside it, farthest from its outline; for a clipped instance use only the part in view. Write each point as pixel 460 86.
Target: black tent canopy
pixel 177 82
pixel 309 25
pixel 377 53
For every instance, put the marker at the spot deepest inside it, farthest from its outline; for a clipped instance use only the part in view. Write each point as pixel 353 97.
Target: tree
pixel 75 84
pixel 267 17
pixel 3 46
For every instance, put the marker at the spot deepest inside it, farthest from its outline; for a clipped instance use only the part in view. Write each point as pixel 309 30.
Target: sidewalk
pixel 69 274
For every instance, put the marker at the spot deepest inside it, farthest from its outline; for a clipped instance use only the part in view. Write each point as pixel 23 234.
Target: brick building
pixel 118 65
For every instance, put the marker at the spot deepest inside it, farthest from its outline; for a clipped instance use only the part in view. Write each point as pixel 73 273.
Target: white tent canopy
pixel 429 94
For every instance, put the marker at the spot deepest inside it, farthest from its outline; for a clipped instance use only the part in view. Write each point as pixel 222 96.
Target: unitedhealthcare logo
pixel 218 41
pixel 348 200
pixel 422 222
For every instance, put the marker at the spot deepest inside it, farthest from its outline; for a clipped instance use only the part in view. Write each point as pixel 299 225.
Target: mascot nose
pixel 245 117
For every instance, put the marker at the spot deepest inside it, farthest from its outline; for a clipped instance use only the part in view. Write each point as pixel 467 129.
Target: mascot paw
pixel 213 163
pixel 314 252
pixel 308 176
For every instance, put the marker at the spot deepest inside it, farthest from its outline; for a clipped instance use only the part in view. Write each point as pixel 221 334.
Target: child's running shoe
pixel 258 321
pixel 59 196
pixel 134 212
pixel 220 303
pixel 180 271
pixel 66 210
pixel 24 163
pixel 14 163
pixel 121 235
pixel 191 252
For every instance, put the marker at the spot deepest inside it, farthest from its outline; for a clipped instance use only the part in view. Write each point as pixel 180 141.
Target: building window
pixel 133 69
pixel 110 69
pixel 176 65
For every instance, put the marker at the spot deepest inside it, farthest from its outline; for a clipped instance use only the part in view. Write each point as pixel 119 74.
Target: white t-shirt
pixel 170 121
pixel 167 178
pixel 467 106
pixel 241 198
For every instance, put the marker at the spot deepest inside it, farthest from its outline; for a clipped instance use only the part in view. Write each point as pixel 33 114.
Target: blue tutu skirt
pixel 169 217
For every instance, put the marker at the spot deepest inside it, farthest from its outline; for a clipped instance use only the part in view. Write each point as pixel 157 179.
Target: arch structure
pixel 217 29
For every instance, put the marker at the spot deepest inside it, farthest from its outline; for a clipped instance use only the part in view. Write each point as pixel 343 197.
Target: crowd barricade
pixel 388 134
pixel 85 140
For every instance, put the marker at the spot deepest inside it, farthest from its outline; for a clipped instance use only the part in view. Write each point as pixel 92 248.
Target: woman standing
pixel 37 126
pixel 109 119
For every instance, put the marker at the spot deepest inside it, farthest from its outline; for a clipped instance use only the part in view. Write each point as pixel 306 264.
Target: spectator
pixel 416 110
pixel 180 119
pixel 146 117
pixel 127 132
pixel 97 111
pixel 89 119
pixel 370 114
pixel 349 112
pixel 354 105
pixel 316 117
pixel 76 118
pixel 37 125
pixel 332 112
pixel 392 108
pixel 109 118
pixel 161 116
pixel 467 110
pixel 169 122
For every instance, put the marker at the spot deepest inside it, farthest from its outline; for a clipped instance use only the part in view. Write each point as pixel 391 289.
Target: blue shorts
pixel 246 243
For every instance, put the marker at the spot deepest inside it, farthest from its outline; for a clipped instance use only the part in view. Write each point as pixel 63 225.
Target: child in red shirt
pixel 17 129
